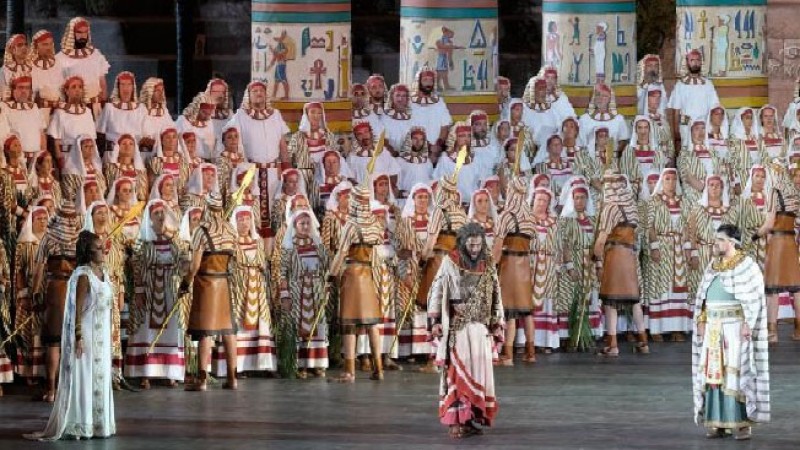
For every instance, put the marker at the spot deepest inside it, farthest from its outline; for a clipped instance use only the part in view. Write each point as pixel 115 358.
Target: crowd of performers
pixel 236 246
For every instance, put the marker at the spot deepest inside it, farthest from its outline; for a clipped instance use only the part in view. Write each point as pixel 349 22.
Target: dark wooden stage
pixel 565 401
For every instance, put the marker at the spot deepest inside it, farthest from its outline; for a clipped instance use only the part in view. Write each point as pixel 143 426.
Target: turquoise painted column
pixel 303 49
pixel 590 41
pixel 731 35
pixel 457 39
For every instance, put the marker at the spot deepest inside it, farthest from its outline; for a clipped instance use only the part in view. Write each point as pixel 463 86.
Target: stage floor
pixel 576 401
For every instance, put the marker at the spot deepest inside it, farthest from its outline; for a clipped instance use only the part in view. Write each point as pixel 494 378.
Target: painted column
pixel 459 40
pixel 731 36
pixel 590 41
pixel 302 48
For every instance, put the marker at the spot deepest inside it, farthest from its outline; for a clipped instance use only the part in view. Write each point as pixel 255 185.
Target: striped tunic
pixel 304 267
pixel 412 238
pixel 637 161
pixel 701 225
pixel 30 355
pixel 699 163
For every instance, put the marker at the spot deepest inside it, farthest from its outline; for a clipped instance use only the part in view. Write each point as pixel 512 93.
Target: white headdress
pixel 195 184
pixel 725 196
pixel 185 232
pixel 569 202
pixel 288 238
pixel 88 222
pixel 492 207
pixel 748 188
pixel 244 209
pixel 113 157
pixel 26 234
pixel 74 163
pixel 332 204
pixel 305 122
pixel 738 130
pixel 146 231
pixel 112 191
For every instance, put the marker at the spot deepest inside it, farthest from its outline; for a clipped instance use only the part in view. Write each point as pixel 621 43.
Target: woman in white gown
pixel 84 406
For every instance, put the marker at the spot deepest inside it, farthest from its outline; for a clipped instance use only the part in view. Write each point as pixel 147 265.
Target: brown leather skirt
pixel 358 296
pixel 211 298
pixel 781 268
pixel 619 283
pixel 445 243
pixel 59 269
pixel 515 276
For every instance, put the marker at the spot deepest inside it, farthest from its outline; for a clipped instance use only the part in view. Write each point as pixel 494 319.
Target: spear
pixel 375 153
pixel 237 197
pixel 132 213
pixel 518 153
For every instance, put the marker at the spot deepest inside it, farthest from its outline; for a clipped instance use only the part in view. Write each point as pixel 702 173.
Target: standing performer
pixel 414 160
pixel 312 139
pixel 291 184
pixel 158 263
pixel 412 239
pixel 782 263
pixel 156 117
pixel 468 179
pixel 263 132
pixel 210 275
pixel 85 400
pixel 15 62
pixel 550 160
pixel 79 56
pixel 97 221
pixel 361 155
pixel 718 130
pixel 31 354
pixel 602 112
pixel 230 155
pixel 643 154
pixel 356 263
pixel 255 344
pixel 713 209
pixel 362 109
pixel 46 73
pixel 55 261
pixel 125 161
pixel 578 290
pixel 71 119
pixel 167 160
pixel 517 126
pixel 772 137
pixel 512 251
pixel 745 143
pixel 41 182
pixel 548 259
pixel 123 114
pixel 753 212
pixel 503 96
pixel 483 212
pixel 466 312
pixel 217 90
pixel 650 83
pixel 730 361
pixel 538 115
pixel 396 119
pixel 25 118
pixel 81 166
pixel 376 86
pixel 555 96
pixel 429 109
pixel 387 214
pixel 693 97
pixel 202 182
pixel 667 269
pixel 196 118
pixel 617 262
pixel 696 162
pixel 303 266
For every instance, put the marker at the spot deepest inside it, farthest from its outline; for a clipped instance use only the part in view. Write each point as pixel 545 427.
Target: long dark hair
pixel 83 249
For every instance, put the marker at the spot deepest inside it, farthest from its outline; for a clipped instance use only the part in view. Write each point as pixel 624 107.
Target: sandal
pixel 231 385
pixel 302 374
pixel 345 377
pixel 610 352
pixel 49 397
pixel 642 348
pixel 144 384
pixel 456 432
pixel 714 433
pixel 319 373
pixel 389 364
pixel 473 429
pixel 742 434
